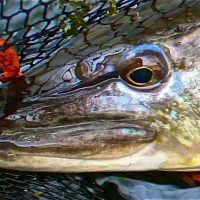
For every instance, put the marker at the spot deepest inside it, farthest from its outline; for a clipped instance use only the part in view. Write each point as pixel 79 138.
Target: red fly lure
pixel 9 63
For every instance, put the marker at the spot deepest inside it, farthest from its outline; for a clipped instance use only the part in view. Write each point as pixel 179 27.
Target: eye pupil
pixel 141 76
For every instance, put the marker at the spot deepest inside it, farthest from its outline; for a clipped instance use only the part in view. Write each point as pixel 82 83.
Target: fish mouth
pixel 120 144
pixel 79 147
pixel 94 139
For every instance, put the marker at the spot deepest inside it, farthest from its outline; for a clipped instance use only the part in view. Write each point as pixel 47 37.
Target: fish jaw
pixel 149 158
pixel 143 160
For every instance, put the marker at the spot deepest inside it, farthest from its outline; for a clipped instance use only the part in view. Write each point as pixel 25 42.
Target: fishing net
pixel 48 33
pixel 37 29
pixel 24 186
pixel 119 186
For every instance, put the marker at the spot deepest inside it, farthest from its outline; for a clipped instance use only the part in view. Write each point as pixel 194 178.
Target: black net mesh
pixel 35 27
pixel 46 186
pixel 24 186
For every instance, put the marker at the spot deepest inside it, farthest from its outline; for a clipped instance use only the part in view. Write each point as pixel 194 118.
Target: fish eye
pixel 144 67
pixel 141 76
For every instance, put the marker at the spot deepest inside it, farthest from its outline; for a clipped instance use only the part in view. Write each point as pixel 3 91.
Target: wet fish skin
pixel 155 129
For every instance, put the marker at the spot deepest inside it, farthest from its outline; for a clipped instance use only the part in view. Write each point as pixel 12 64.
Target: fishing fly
pixel 9 62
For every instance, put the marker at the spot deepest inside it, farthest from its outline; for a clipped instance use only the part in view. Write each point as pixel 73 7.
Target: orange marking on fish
pixel 9 63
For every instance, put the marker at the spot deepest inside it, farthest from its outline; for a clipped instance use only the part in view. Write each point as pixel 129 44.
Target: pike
pixel 122 95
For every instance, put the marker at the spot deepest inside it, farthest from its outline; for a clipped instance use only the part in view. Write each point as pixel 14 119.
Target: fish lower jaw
pixel 140 161
pixel 149 158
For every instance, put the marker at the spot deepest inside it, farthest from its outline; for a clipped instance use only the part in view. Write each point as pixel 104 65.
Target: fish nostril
pixel 141 76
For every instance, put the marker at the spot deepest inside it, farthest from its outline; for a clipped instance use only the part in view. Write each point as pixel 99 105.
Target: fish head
pixel 126 107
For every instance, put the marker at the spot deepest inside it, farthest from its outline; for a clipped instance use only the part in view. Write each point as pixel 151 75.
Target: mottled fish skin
pixel 83 114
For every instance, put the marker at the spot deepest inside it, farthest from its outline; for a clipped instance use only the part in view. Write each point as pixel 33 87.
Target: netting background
pixel 33 27
pixel 83 186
